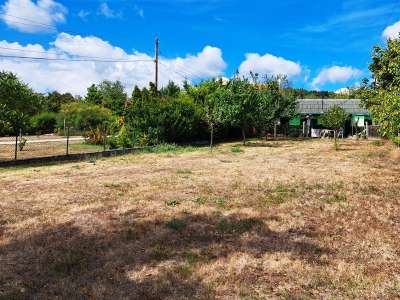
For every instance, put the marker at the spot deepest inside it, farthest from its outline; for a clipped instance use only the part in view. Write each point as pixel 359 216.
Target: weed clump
pixel 236 149
pixel 172 202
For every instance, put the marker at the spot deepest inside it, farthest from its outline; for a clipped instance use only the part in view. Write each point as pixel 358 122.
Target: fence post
pixel 68 140
pixel 16 147
pixel 104 136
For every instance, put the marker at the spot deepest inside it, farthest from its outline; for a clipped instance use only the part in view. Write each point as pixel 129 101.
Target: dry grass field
pixel 276 220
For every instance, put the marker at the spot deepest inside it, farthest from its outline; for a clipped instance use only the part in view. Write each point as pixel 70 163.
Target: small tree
pixel 334 118
pixel 239 105
pixel 209 95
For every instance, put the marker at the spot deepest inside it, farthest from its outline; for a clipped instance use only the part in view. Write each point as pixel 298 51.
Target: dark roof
pixel 320 106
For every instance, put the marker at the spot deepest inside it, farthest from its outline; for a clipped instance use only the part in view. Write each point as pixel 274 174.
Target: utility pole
pixel 156 64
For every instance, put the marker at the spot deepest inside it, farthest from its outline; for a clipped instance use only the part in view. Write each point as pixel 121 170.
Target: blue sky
pixel 318 44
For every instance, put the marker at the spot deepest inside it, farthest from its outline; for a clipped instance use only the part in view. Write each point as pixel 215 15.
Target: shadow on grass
pixel 130 259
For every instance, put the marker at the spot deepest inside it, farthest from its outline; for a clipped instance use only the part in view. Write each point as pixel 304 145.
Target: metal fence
pixel 24 146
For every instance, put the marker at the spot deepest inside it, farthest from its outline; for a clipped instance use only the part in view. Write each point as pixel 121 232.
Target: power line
pixel 182 73
pixel 28 21
pixel 74 60
pixel 75 56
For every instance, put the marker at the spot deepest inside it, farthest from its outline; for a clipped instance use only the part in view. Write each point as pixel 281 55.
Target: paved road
pixel 61 140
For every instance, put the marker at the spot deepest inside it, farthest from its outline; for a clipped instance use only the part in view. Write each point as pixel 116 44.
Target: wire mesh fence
pixel 24 146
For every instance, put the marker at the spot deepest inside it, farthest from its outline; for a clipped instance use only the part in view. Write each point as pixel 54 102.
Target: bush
pixel 44 122
pixel 168 120
pixel 87 119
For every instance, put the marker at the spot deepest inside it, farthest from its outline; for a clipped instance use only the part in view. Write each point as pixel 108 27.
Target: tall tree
pixel 170 90
pixel 55 100
pixel 385 64
pixel 136 94
pixel 93 95
pixel 113 96
pixel 18 101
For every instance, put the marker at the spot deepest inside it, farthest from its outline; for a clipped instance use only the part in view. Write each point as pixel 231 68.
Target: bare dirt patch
pixel 284 220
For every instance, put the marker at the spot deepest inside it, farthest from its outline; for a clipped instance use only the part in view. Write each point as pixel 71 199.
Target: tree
pixel 239 104
pixel 55 100
pixel 386 111
pixel 210 94
pixel 171 90
pixel 94 96
pixel 274 103
pixel 334 118
pixel 18 103
pixel 136 94
pixel 113 96
pixel 385 64
pixel 382 97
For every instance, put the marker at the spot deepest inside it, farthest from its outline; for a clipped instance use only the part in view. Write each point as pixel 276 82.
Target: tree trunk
pixel 335 137
pixel 244 136
pixel 211 136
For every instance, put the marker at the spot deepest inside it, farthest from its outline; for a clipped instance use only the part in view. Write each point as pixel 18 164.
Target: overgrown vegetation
pixel 209 110
pixel 382 95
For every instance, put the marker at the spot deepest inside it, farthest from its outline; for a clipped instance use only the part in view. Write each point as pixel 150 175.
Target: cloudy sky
pixel 317 44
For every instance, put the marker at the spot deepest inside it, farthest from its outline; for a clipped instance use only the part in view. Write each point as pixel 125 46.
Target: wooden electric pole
pixel 156 64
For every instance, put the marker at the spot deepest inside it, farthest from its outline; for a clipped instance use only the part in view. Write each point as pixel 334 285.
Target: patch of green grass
pixel 236 149
pixel 221 201
pixel 176 224
pixel 378 143
pixel 335 198
pixel 82 147
pixel 200 200
pixel 92 161
pixel 237 226
pixel 281 194
pixel 172 202
pixel 169 148
pixel 183 171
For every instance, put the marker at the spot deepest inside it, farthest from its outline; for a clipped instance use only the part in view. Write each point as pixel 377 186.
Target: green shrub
pixel 377 143
pixel 112 142
pixel 84 117
pixel 123 138
pixel 236 149
pixel 44 122
pixel 169 120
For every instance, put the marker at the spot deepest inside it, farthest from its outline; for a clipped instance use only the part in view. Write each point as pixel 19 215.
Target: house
pixel 309 112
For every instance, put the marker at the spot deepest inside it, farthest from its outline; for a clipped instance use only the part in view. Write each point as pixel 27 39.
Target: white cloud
pixel 75 77
pixel 30 16
pixel 343 91
pixel 392 31
pixel 109 13
pixel 83 14
pixel 269 65
pixel 139 11
pixel 335 74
